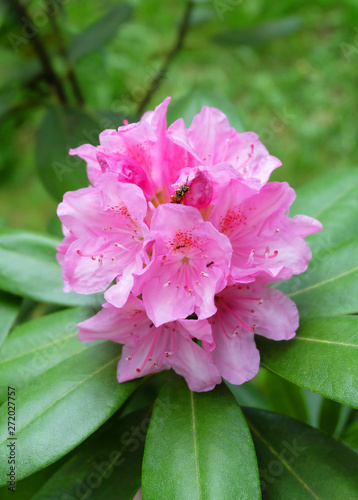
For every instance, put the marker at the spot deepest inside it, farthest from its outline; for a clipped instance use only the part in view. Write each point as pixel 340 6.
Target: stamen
pixel 150 352
pixel 241 321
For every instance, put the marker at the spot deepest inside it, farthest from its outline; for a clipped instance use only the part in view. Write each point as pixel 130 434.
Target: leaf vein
pixel 277 455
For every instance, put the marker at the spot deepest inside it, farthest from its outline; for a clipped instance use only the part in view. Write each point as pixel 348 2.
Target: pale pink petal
pixel 194 364
pixel 124 325
pixel 237 358
pixel 190 263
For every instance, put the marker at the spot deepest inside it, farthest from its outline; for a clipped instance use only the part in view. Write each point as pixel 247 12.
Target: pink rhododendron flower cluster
pixel 184 234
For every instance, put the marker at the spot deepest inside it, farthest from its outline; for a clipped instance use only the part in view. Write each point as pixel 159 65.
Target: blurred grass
pixel 299 93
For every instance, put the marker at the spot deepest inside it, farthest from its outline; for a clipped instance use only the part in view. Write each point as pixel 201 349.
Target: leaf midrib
pixel 64 395
pixel 322 283
pixel 298 337
pixel 195 444
pixel 284 463
pixel 37 348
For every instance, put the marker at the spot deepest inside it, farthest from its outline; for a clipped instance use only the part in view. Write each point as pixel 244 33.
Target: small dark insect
pixel 150 326
pixel 179 194
pixel 179 246
pixel 210 264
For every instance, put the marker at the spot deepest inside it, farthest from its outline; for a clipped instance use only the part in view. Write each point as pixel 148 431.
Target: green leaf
pixel 198 446
pixel 57 411
pixel 26 488
pixel 299 462
pixel 28 267
pixel 38 345
pixel 189 105
pixel 332 200
pixel 322 357
pixel 329 416
pixel 108 465
pixel 330 285
pixel 261 34
pixel 99 33
pixel 9 309
pixel 61 129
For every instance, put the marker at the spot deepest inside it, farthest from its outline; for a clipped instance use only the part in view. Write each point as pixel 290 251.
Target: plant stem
pixel 70 71
pixel 162 73
pixel 40 49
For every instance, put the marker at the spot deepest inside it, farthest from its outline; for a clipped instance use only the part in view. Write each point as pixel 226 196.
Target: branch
pixel 40 49
pixel 70 71
pixel 162 73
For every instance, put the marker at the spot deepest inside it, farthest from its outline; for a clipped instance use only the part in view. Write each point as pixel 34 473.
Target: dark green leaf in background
pixel 9 309
pixel 57 410
pixel 329 416
pixel 299 462
pixel 261 34
pixel 99 33
pixel 285 397
pixel 107 466
pixel 322 357
pixel 28 267
pixel 62 129
pixel 198 446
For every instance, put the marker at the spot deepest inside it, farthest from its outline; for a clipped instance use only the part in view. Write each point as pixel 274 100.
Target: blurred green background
pixel 289 68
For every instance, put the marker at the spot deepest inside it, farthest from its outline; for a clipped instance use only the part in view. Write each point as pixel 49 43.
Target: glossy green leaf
pixel 28 267
pixel 299 462
pixel 57 411
pixel 189 105
pixel 329 416
pixel 332 200
pixel 9 309
pixel 261 34
pixel 99 33
pixel 38 345
pixel 322 357
pixel 108 465
pixel 198 446
pixel 330 285
pixel 61 129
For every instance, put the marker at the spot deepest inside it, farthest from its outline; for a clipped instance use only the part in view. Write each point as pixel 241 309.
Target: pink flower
pixel 189 264
pixel 242 311
pixel 264 239
pixel 105 233
pixel 184 234
pixel 211 141
pixel 139 153
pixel 149 349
